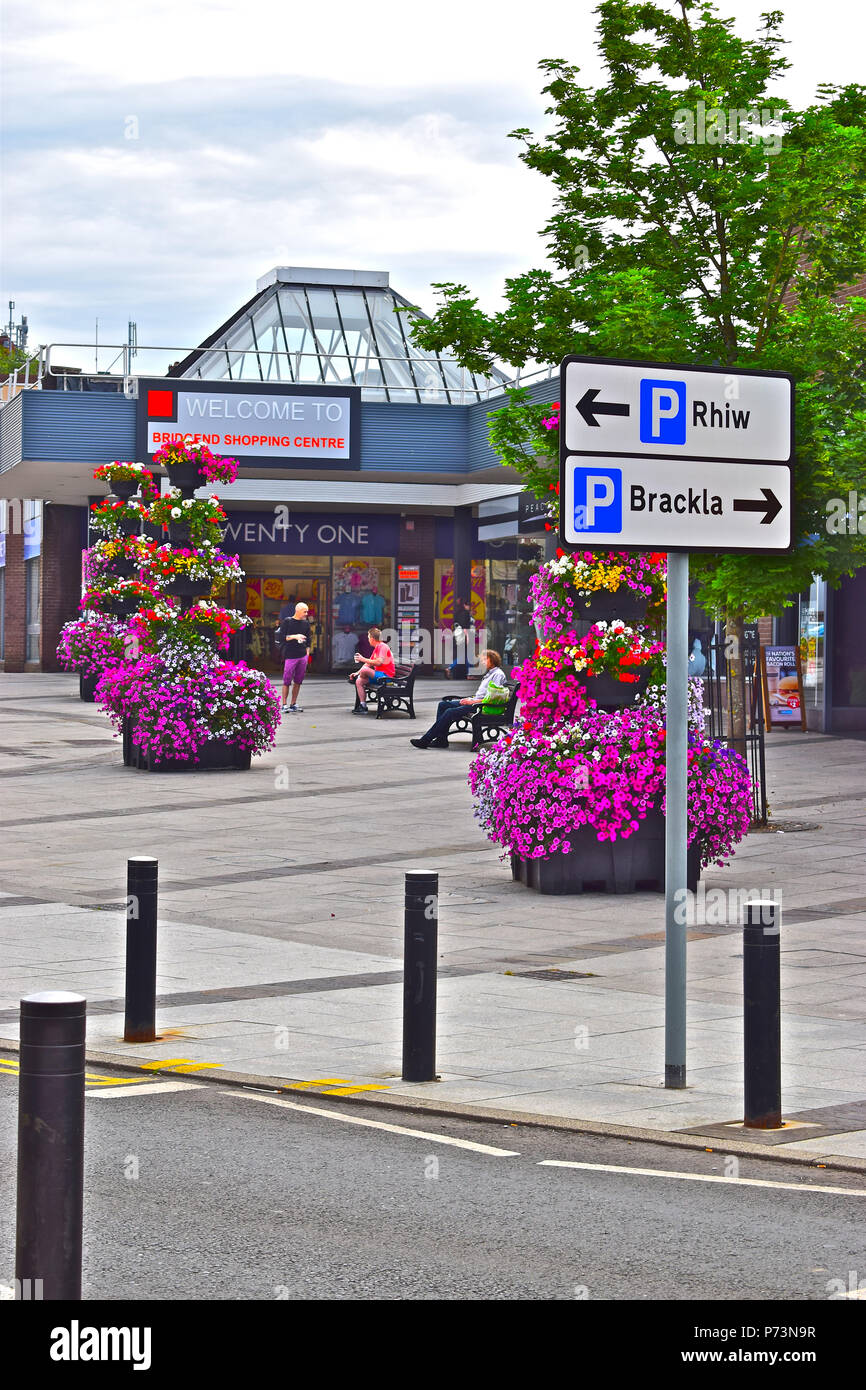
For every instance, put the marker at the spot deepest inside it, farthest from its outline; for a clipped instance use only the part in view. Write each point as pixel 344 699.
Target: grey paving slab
pixel 234 917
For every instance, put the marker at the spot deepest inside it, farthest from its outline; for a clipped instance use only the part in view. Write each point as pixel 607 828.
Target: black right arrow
pixel 589 407
pixel 771 506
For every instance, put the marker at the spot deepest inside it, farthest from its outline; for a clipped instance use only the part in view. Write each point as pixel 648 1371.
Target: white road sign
pixel 664 504
pixel 657 410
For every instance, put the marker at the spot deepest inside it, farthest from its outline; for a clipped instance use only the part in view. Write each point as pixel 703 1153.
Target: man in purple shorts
pixel 294 635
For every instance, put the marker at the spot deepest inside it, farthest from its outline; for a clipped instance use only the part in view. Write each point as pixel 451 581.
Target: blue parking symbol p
pixel 662 411
pixel 598 499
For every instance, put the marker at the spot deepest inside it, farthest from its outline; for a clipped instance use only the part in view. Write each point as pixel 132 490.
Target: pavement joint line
pixel 420 1105
pixel 700 1177
pixel 278 989
pixel 221 803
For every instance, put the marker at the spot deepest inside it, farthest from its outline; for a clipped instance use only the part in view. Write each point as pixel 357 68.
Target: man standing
pixel 294 635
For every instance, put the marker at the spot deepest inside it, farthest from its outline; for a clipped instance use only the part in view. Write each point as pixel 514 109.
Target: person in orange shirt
pixel 374 668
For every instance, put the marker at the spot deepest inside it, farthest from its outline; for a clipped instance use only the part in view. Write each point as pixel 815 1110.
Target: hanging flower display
pixel 91 644
pixel 209 467
pixel 571 767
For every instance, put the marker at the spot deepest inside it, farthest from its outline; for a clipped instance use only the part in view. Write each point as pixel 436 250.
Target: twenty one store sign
pixel 256 423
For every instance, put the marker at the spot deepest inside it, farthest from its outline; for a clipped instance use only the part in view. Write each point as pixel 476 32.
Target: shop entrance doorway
pixel 268 597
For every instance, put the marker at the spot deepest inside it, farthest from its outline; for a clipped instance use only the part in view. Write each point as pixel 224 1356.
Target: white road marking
pixel 378 1124
pixel 147 1088
pixel 701 1177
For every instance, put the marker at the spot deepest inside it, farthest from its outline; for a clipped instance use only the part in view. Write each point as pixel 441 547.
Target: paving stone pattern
pixel 281 922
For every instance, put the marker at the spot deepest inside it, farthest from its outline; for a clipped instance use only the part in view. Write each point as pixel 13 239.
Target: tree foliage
pixel 728 249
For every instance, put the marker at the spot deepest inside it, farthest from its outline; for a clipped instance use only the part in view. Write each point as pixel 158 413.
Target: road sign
pixel 659 457
pixel 662 504
pixel 656 410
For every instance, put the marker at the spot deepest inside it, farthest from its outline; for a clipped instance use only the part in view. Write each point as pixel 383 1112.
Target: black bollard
pixel 762 1040
pixel 50 1146
pixel 420 947
pixel 141 904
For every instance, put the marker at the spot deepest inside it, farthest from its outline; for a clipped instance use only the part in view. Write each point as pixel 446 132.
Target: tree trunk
pixel 736 686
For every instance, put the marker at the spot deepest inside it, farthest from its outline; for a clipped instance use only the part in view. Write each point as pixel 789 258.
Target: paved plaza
pixel 281 898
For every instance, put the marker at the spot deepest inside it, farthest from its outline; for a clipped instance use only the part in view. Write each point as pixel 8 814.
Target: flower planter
pixel 609 693
pixel 87 686
pixel 152 532
pixel 125 569
pixel 124 488
pixel 179 532
pixel 605 607
pixel 186 476
pixel 124 607
pixel 214 756
pixel 635 865
pixel 130 528
pixel 183 587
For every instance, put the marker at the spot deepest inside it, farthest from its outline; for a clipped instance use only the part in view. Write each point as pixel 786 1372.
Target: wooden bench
pixel 486 727
pixel 395 692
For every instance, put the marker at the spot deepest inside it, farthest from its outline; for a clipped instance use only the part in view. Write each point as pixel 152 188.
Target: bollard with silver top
pixel 50 1196
pixel 420 956
pixel 762 1021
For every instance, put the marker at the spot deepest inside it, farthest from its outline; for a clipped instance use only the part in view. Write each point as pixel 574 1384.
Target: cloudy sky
pixel 160 157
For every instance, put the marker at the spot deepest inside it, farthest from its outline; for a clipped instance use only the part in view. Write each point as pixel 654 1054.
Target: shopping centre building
pixel 367 486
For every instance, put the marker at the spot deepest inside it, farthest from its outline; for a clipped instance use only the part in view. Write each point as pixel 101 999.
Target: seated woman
pixel 492 692
pixel 374 668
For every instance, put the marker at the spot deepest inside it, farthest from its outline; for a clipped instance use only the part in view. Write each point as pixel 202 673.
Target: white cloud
pixel 273 134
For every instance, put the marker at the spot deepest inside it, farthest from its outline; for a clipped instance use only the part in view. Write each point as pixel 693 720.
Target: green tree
pixel 699 219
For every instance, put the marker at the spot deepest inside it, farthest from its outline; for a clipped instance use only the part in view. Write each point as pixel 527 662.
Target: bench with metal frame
pixel 486 726
pixel 394 692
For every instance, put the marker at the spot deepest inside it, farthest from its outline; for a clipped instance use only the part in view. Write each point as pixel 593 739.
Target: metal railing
pixel 27 376
pixel 733 694
pixel 299 368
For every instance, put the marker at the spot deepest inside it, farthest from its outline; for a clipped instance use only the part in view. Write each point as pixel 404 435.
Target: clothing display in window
pixel 348 608
pixel 372 609
pixel 345 645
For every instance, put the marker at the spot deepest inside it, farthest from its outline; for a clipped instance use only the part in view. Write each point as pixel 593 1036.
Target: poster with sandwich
pixel 782 681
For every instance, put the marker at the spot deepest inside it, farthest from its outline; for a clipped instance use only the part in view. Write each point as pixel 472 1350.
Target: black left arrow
pixel 589 407
pixel 771 506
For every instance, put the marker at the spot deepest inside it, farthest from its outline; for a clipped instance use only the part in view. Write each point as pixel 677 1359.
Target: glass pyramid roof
pixel 308 325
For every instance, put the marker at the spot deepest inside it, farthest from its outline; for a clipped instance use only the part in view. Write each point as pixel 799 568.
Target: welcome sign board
pixel 257 423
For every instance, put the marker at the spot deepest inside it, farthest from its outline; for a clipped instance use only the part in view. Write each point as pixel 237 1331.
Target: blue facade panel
pixel 97 428
pixel 80 425
pixel 415 438
pixel 480 453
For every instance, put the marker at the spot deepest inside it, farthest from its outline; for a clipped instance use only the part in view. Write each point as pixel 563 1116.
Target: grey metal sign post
pixel 660 457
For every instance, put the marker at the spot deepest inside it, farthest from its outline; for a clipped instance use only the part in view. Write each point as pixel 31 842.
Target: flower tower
pixel 161 675
pixel 574 794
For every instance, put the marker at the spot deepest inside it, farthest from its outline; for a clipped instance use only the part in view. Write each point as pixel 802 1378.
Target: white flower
pixel 176 512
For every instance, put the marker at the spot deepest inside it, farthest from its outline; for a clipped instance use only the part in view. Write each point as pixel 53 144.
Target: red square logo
pixel 160 405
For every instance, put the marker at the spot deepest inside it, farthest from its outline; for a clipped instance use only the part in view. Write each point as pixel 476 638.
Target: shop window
pixel 33 608
pixel 363 597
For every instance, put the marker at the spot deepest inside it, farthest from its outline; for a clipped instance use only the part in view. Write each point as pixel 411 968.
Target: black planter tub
pixel 214 756
pixel 611 694
pixel 124 488
pixel 605 607
pixel 635 865
pixel 87 686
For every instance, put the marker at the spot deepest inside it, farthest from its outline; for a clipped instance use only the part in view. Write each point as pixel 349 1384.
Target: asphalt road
pixel 202 1192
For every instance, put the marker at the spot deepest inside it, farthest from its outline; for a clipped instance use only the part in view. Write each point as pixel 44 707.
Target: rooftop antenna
pixel 132 338
pixel 11 325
